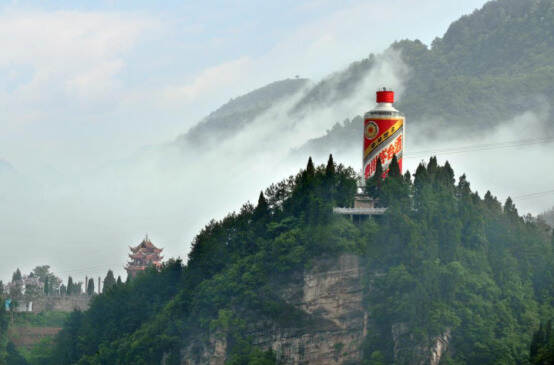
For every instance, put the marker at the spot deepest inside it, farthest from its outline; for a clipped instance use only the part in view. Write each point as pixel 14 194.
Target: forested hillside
pixel 488 67
pixel 3 333
pixel 441 259
pixel 237 113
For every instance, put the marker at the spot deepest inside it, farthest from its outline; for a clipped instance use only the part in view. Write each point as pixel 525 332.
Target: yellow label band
pixel 383 137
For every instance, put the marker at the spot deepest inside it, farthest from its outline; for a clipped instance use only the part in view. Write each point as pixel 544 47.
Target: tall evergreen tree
pixel 432 166
pixel 445 175
pixel 394 169
pixel 70 286
pixel 408 177
pixel 464 189
pixel 310 169
pixel 374 183
pixel 90 286
pixel 330 168
pixel 379 169
pixel 421 177
pixel 46 286
pixel 109 280
pixel 119 281
pixel 262 209
pixel 510 209
pixel 16 276
pixel 491 202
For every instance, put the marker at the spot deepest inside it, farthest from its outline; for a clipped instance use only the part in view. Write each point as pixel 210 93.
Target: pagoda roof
pixel 146 245
pixel 146 255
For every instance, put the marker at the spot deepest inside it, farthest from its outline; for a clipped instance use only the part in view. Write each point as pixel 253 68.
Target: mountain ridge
pixel 488 66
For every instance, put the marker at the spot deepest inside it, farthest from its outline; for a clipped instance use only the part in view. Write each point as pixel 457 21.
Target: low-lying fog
pixel 82 225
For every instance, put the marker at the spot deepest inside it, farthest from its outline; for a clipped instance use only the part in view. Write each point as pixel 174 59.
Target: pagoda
pixel 143 256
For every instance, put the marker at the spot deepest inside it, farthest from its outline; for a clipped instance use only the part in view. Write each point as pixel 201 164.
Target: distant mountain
pixel 488 67
pixel 239 112
pixel 336 87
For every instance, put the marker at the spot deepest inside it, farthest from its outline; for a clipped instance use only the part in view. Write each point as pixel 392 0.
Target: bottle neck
pixel 385 106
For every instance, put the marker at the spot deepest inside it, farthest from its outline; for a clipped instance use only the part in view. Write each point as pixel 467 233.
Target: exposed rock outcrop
pixel 412 350
pixel 329 294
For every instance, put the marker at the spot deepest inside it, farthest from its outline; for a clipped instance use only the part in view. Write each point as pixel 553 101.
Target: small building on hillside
pixel 143 256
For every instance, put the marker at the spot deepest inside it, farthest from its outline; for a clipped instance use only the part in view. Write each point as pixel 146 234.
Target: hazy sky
pixel 83 84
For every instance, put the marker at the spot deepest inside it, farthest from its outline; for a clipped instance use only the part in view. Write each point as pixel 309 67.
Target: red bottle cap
pixel 385 96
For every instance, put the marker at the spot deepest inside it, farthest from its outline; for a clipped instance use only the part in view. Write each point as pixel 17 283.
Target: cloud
pixel 69 56
pixel 210 80
pixel 97 88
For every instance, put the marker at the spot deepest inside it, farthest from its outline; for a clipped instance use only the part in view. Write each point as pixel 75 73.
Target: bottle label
pixel 382 140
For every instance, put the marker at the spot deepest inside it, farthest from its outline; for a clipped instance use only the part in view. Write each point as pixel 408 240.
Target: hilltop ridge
pixel 452 273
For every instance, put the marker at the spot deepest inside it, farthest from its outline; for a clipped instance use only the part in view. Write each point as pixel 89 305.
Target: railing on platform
pixel 360 211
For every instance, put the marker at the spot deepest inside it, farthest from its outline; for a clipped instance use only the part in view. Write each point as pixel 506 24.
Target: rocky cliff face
pixel 418 351
pixel 331 295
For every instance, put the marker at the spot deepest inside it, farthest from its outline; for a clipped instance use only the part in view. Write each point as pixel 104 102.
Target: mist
pixel 511 159
pixel 82 223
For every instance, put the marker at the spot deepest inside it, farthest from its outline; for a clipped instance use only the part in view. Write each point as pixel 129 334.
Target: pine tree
pixel 379 170
pixel 70 286
pixel 46 286
pixel 408 177
pixel 78 288
pixel 109 280
pixel 90 286
pixel 432 166
pixel 330 168
pixel 310 169
pixel 119 281
pixel 63 290
pixel 421 177
pixel 445 175
pixel 464 189
pixel 394 169
pixel 374 183
pixel 16 276
pixel 491 202
pixel 262 209
pixel 510 209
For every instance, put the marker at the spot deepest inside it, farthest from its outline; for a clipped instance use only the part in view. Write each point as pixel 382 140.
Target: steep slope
pixel 239 112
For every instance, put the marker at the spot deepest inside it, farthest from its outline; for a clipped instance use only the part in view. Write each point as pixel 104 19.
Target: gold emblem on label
pixel 371 130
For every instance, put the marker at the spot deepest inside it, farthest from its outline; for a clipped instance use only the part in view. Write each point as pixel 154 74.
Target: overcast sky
pixel 85 83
